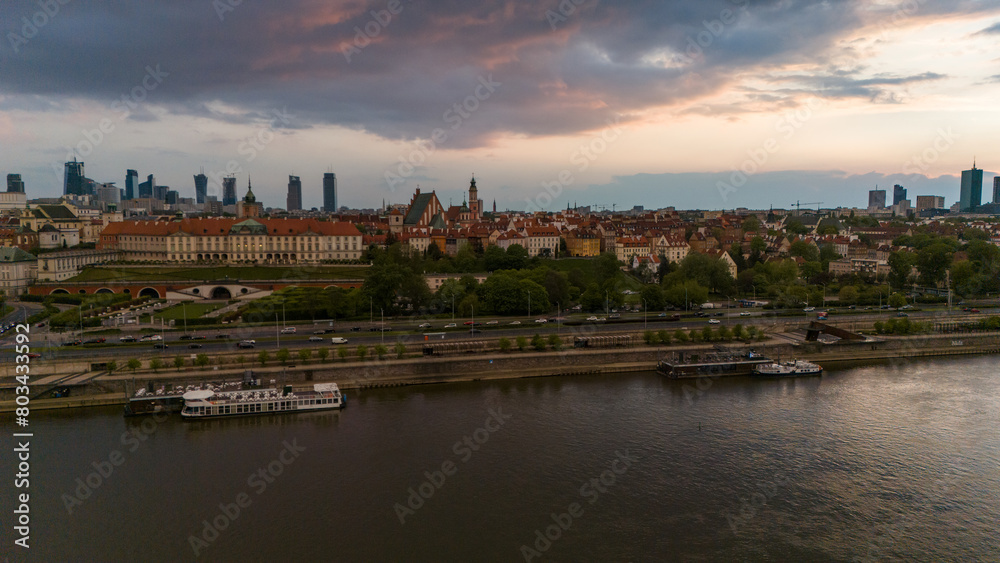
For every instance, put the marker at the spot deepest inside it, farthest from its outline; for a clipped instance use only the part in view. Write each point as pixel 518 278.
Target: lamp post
pixel 452 306
pixel 643 314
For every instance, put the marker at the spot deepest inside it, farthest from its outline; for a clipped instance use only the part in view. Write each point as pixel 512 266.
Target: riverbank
pixel 97 389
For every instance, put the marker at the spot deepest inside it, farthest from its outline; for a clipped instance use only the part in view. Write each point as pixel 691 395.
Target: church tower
pixel 475 204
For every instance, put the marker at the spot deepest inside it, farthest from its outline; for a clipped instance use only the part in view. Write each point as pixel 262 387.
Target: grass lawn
pixel 126 273
pixel 192 310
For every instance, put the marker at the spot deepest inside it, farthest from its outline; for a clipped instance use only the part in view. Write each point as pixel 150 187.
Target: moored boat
pixel 205 403
pixel 791 368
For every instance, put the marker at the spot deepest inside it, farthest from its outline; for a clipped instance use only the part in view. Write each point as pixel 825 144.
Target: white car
pixel 592 318
pixel 288 330
pixel 151 338
pixel 541 321
pixel 809 309
pixel 714 321
pixel 745 314
pixel 491 323
pixel 450 325
pixel 315 339
pixel 424 325
pixel 338 340
pixel 515 322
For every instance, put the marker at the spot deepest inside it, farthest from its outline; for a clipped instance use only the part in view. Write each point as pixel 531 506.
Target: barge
pixel 682 365
pixel 205 403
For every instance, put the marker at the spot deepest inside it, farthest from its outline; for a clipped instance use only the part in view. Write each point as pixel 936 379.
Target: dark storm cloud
pixel 558 71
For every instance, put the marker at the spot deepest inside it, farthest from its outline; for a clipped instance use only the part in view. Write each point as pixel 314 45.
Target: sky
pixel 714 104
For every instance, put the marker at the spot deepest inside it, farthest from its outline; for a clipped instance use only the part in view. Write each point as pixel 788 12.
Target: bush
pixel 649 337
pixel 504 344
pixel 522 343
pixel 664 336
pixel 555 342
pixel 400 350
pixel 381 350
pixel 537 342
pixel 680 336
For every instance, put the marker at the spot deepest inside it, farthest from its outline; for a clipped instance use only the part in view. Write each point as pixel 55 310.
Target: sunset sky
pixel 652 103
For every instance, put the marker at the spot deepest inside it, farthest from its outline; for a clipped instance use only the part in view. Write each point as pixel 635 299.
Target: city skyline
pixel 716 105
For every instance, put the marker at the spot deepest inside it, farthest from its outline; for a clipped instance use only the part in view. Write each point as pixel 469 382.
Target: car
pixel 195 346
pixel 973 310
pixel 355 329
pixel 40 325
pixel 745 314
pixel 809 309
pixel 601 319
pixel 151 338
pixel 541 321
pixel 614 316
pixel 198 337
pixel 492 323
pixel 515 322
pixel 338 340
pixel 424 325
pixel 222 336
pixel 720 314
pixel 852 307
pixel 245 344
pixel 185 337
pixel 315 339
pixel 76 342
pixel 127 339
pixel 288 330
pixel 161 346
pixel 902 314
pixel 714 321
pixel 94 341
pixel 662 315
pixel 319 332
pixel 907 306
pixel 450 325
pixel 467 323
pixel 577 307
pixel 592 318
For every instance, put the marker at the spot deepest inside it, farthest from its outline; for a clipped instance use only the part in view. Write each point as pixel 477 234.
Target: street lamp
pixel 643 314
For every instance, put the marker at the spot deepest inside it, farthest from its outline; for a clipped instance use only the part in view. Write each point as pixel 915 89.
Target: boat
pixel 169 398
pixel 206 403
pixel 791 368
pixel 712 364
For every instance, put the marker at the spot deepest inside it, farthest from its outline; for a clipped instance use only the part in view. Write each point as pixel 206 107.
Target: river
pixel 870 463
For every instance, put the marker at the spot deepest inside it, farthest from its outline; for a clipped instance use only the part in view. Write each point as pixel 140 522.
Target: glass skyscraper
pixel 972 190
pixel 330 192
pixel 200 187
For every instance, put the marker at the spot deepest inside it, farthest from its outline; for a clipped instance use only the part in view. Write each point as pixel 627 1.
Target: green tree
pixel 653 298
pixel 555 342
pixel 649 337
pixel 504 344
pixel 900 266
pixel 738 332
pixel 361 351
pixel 522 343
pixel 304 355
pixel 751 224
pixel 804 249
pixel 155 364
pixel 342 352
pixel 706 333
pixel 933 261
pixel 680 336
pixel 849 295
pixel 133 364
pixel 664 336
pixel 201 360
pixel 178 362
pixel 697 335
pixel 400 350
pixel 111 367
pixel 537 342
pixel 263 357
pixel 381 350
pixel 283 355
pixel 897 300
pixel 323 354
pixel 724 333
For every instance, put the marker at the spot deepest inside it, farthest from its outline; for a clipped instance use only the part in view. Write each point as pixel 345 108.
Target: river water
pixel 890 462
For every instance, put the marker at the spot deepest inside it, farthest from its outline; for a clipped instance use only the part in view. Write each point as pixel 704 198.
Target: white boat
pixel 788 369
pixel 205 403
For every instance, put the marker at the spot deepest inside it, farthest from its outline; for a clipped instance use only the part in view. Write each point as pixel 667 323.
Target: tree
pixel 738 332
pixel 706 333
pixel 652 295
pixel 111 367
pixel 849 294
pixel 342 352
pixel 522 343
pixel 900 266
pixel 323 354
pixel 178 362
pixel 804 249
pixel 400 350
pixel 361 351
pixel 680 336
pixel 537 342
pixel 381 350
pixel 751 224
pixel 304 355
pixel 283 355
pixel 201 360
pixel 932 262
pixel 262 357
pixel 504 344
pixel 155 364
pixel 433 252
pixel 664 336
pixel 649 337
pixel 897 300
pixel 555 342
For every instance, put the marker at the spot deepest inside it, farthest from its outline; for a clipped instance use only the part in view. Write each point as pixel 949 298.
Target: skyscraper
pixel 147 188
pixel 200 187
pixel 330 192
pixel 74 182
pixel 971 196
pixel 996 189
pixel 229 190
pixel 898 194
pixel 15 183
pixel 160 192
pixel 294 200
pixel 131 183
pixel 876 199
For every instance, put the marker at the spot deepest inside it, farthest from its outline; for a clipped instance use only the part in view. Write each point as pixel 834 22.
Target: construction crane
pixel 798 206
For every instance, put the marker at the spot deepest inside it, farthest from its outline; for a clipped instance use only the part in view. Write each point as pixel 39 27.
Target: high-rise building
pixel 15 183
pixel 876 199
pixel 971 196
pixel 898 194
pixel 929 202
pixel 996 189
pixel 294 200
pixel 146 188
pixel 171 196
pixel 131 183
pixel 200 187
pixel 229 190
pixel 74 183
pixel 160 192
pixel 108 194
pixel 330 192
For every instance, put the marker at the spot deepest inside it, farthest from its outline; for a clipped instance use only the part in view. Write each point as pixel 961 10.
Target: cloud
pixel 991 30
